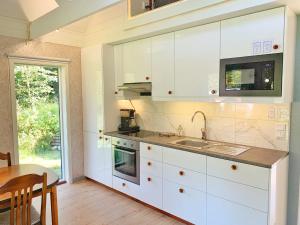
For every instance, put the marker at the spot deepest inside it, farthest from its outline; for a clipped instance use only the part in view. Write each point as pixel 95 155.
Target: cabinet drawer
pixel 126 187
pixel 185 177
pixel 187 160
pixel 239 172
pixel 151 151
pixel 151 190
pixel 184 202
pixel 239 193
pixel 150 166
pixel 223 212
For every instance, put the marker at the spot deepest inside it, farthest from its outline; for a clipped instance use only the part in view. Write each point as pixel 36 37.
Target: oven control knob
pixel 118 142
pixel 123 184
pixel 275 47
pixel 125 143
pixel 149 179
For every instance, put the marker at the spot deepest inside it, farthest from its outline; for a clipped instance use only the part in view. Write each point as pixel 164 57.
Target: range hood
pixel 144 89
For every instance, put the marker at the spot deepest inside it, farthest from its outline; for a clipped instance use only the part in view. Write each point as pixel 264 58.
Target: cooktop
pixel 140 134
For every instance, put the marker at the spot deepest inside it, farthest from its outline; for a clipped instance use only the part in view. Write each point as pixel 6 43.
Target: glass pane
pixel 38 116
pixel 242 79
pixel 125 162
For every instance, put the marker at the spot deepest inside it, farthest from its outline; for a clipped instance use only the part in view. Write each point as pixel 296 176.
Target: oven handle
pixel 124 151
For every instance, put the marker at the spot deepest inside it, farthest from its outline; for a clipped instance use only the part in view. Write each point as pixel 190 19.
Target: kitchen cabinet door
pixel 137 61
pixel 163 65
pixel 197 61
pixel 118 62
pixel 92 89
pixel 151 190
pixel 184 202
pixel 93 156
pixel 223 212
pixel 254 34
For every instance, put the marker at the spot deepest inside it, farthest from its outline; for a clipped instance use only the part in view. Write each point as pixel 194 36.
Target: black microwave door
pixel 252 76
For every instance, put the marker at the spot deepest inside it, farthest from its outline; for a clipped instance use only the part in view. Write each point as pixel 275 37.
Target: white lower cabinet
pixel 224 212
pixel 127 187
pixel 184 202
pixel 199 189
pixel 98 158
pixel 151 190
pixel 252 197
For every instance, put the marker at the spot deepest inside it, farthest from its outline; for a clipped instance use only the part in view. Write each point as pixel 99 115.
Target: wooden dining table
pixel 8 173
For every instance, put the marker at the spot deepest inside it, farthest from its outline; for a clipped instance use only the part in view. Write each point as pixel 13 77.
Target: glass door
pixel 38 109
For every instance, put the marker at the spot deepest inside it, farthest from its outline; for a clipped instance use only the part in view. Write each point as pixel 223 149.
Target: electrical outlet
pixel 281 131
pixel 272 114
pixel 283 114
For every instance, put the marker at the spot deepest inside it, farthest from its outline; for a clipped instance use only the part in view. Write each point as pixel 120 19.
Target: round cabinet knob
pixel 123 184
pixel 100 137
pixel 181 173
pixel 116 92
pixel 100 131
pixel 106 139
pixel 169 92
pixel 213 92
pixel 149 179
pixel 149 147
pixel 234 167
pixel 149 163
pixel 275 47
pixel 181 190
pixel 147 78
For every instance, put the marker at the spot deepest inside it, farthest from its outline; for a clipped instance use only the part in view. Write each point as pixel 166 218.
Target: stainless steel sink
pixel 211 146
pixel 228 150
pixel 191 143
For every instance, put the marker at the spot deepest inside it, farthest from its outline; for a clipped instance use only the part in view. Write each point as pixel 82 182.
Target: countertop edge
pixel 207 153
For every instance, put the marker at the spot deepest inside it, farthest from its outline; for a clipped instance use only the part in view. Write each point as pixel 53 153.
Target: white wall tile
pixel 248 124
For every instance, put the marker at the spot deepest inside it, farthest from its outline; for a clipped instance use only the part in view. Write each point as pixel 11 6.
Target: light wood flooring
pixel 89 203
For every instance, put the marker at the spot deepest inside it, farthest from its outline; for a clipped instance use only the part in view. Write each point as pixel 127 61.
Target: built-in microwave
pixel 252 76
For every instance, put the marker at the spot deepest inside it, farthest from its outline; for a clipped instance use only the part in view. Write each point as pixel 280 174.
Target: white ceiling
pixel 293 4
pixel 27 10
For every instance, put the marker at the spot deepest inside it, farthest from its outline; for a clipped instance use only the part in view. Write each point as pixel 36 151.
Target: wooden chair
pixel 6 157
pixel 21 210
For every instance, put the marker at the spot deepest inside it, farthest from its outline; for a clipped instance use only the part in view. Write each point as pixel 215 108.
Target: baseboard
pixel 77 179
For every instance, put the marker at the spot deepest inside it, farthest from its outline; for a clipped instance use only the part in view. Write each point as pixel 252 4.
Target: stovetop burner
pixel 140 134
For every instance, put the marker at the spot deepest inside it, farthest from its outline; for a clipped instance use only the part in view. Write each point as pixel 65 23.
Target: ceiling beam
pixel 68 12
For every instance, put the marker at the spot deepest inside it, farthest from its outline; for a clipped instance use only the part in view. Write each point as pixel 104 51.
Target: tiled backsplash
pixel 261 125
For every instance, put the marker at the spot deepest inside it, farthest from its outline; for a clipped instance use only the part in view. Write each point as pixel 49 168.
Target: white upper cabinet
pixel 163 65
pixel 92 89
pixel 137 61
pixel 118 66
pixel 254 34
pixel 197 59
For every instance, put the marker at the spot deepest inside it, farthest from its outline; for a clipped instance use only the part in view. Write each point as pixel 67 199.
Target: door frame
pixel 63 75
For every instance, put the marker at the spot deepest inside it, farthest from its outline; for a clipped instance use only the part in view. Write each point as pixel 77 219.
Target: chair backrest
pixel 21 191
pixel 6 157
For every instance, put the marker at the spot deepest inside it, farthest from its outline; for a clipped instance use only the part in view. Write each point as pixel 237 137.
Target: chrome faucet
pixel 203 130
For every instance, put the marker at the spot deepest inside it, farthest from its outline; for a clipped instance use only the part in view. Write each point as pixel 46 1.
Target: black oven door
pixel 252 76
pixel 126 164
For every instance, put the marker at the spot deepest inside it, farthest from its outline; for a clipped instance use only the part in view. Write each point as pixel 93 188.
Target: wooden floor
pixel 88 203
